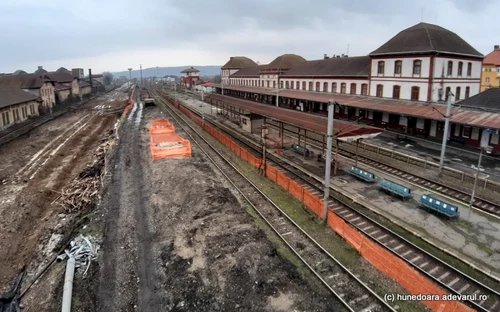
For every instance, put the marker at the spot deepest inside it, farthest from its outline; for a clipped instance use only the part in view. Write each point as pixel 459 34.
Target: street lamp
pixel 130 76
pixel 328 167
pixel 445 135
pixel 484 147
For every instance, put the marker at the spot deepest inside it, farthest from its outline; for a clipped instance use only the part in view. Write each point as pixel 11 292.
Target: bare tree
pixel 107 78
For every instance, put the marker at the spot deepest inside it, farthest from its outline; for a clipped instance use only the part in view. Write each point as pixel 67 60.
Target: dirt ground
pixel 34 169
pixel 177 239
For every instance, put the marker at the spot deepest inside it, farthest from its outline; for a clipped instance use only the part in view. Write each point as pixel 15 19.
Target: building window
pixel 267 82
pixel 396 90
pixel 281 84
pixel 291 85
pixel 448 90
pixel 469 69
pixel 467 92
pixel 487 80
pixel 450 68
pixel 5 118
pixel 460 67
pixel 298 85
pixel 364 89
pixel 353 88
pixel 325 86
pixel 398 65
pixel 287 85
pixel 317 86
pixel 342 88
pixel 303 85
pixel 457 94
pixel 417 67
pixel 380 90
pixel 415 93
pixel 16 114
pixel 274 84
pixel 310 86
pixel 334 87
pixel 381 67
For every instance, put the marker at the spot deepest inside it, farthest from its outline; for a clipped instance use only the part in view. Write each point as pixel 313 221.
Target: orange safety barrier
pixel 127 109
pixel 413 281
pixel 161 126
pixel 169 146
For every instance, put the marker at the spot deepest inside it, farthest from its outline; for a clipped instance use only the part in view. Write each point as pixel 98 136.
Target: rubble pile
pixel 81 193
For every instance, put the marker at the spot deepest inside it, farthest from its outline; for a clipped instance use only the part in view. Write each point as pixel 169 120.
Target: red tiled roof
pixel 300 119
pixel 431 111
pixel 492 58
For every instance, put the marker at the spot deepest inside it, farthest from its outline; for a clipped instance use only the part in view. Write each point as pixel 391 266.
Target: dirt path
pixel 34 168
pixel 177 239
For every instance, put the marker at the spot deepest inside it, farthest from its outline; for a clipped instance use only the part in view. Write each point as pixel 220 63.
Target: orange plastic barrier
pixel 169 146
pixel 161 126
pixel 413 281
pixel 127 109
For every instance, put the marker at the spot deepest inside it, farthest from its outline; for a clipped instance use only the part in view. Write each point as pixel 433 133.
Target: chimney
pixel 90 78
pixel 497 47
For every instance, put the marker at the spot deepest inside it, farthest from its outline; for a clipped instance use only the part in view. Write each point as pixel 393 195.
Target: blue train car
pixel 362 174
pixel 396 189
pixel 439 206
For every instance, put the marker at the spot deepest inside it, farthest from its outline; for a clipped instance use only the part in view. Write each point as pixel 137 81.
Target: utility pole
pixel 484 147
pixel 130 76
pixel 263 133
pixel 328 165
pixel 141 76
pixel 278 97
pixel 445 135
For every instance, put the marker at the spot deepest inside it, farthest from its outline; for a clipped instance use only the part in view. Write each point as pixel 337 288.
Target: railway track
pixel 440 188
pixel 344 285
pixel 476 294
pixel 435 186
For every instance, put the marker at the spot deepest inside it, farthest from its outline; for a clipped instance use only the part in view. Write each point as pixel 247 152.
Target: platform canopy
pixel 345 131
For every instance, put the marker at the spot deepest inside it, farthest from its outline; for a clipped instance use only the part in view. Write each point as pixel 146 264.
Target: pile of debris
pixel 81 193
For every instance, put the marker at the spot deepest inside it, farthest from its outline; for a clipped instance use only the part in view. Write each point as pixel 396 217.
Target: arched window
pixel 325 86
pixel 460 67
pixel 398 67
pixel 317 86
pixel 298 85
pixel 274 84
pixel 287 85
pixel 334 87
pixel 396 92
pixel 450 68
pixel 467 91
pixel 380 90
pixel 457 94
pixel 381 67
pixel 448 90
pixel 310 86
pixel 281 84
pixel 415 93
pixel 353 88
pixel 342 88
pixel 364 89
pixel 291 85
pixel 469 69
pixel 417 67
pixel 303 85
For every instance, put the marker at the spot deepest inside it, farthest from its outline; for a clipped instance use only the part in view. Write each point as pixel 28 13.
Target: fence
pixel 385 261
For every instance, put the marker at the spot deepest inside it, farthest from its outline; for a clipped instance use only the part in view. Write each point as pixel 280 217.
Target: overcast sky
pixel 116 34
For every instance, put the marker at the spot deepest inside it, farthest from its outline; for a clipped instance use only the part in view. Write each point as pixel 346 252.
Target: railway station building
pixel 402 86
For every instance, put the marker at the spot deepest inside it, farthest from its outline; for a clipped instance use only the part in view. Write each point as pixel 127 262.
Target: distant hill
pixel 165 71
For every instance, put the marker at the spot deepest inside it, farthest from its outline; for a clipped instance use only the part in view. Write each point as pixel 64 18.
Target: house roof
pixel 493 58
pixel 40 71
pixel 19 72
pixel 358 66
pixel 61 86
pixel 83 83
pixel 250 71
pixel 285 61
pixel 29 81
pixel 190 70
pixel 426 38
pixel 237 62
pixel 61 76
pixel 62 70
pixel 488 100
pixel 9 97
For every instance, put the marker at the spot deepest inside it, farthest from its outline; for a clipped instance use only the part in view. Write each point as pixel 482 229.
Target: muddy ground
pixel 177 239
pixel 34 169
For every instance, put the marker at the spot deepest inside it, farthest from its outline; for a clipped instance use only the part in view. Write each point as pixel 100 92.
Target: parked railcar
pixel 396 189
pixel 439 206
pixel 362 174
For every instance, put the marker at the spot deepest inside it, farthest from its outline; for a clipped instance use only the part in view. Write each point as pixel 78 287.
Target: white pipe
pixel 68 285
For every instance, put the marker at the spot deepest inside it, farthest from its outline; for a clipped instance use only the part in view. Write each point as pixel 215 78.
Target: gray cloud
pixel 92 31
